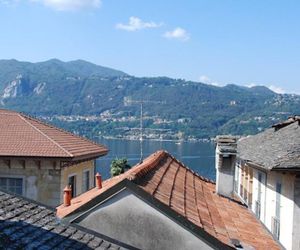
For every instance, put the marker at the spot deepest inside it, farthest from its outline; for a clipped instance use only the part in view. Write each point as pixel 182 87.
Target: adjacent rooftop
pixel 274 149
pixel 24 136
pixel 25 224
pixel 189 196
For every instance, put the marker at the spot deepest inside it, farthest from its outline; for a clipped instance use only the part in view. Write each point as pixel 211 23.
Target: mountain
pixel 74 95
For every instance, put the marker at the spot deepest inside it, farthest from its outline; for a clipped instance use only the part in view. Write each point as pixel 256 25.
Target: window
pixel 276 219
pixel 14 185
pixel 86 180
pixel 258 202
pixel 236 178
pixel 72 183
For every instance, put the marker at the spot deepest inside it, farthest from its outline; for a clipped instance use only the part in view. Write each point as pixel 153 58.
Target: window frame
pixel 15 177
pixel 84 188
pixel 74 190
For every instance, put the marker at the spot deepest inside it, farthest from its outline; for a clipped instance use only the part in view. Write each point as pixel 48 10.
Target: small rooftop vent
pixel 292 119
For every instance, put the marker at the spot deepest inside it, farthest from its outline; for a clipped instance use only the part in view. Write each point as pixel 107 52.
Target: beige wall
pixel 39 183
pixel 77 170
pixel 44 181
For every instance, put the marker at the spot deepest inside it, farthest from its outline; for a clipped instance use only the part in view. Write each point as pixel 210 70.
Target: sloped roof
pixel 24 136
pixel 190 196
pixel 25 224
pixel 275 148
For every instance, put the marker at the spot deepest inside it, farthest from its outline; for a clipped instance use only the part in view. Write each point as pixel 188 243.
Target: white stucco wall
pixel 268 203
pixel 224 173
pixel 286 205
pixel 262 193
pixel 131 220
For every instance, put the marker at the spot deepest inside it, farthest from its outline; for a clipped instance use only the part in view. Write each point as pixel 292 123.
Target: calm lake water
pixel 199 156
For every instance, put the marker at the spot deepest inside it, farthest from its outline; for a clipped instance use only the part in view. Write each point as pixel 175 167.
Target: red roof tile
pixel 24 136
pixel 191 196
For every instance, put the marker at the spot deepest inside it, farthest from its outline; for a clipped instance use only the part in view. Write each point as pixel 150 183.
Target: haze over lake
pixel 199 156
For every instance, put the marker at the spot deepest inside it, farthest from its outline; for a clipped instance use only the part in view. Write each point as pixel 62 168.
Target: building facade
pixel 38 160
pixel 267 179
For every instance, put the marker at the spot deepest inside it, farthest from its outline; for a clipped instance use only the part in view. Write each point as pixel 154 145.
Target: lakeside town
pixel 127 129
pixel 44 164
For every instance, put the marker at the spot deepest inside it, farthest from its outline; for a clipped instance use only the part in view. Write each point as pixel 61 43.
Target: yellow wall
pixel 45 182
pixel 77 170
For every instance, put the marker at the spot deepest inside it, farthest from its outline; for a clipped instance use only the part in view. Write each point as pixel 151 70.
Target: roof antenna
pixel 128 101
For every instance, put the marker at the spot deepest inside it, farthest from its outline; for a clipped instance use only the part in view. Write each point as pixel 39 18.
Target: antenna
pixel 128 101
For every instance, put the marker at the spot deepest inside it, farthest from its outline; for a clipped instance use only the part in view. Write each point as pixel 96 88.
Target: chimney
pixel 226 150
pixel 67 196
pixel 98 181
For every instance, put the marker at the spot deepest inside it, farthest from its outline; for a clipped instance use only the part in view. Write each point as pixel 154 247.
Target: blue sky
pixel 218 42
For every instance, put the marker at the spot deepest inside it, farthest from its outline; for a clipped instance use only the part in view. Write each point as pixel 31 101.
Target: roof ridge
pixel 23 117
pixel 57 128
pixel 145 167
pixel 190 170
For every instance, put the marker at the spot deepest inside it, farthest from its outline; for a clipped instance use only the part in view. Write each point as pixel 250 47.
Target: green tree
pixel 119 166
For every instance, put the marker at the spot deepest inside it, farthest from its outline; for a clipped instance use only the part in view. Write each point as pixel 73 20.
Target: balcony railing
pixel 276 227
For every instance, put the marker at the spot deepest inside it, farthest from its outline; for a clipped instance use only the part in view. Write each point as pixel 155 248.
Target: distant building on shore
pixel 38 160
pixel 263 171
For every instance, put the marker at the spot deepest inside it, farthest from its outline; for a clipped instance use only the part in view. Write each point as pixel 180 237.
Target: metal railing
pixel 276 227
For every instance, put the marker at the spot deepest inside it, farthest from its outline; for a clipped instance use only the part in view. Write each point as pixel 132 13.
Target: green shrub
pixel 119 166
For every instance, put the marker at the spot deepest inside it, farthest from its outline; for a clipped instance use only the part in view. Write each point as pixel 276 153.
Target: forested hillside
pixel 89 99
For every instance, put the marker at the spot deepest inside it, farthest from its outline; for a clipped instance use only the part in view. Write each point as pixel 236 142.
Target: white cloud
pixel 276 89
pixel 136 23
pixel 207 80
pixel 9 2
pixel 178 33
pixel 204 79
pixel 251 85
pixel 67 5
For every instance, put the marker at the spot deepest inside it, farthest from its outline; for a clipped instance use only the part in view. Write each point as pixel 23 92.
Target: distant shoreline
pixel 148 139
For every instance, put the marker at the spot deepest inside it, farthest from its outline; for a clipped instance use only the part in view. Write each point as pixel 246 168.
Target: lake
pixel 199 156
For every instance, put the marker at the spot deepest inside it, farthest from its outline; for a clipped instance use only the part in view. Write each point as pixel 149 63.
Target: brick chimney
pixel 98 181
pixel 67 196
pixel 226 150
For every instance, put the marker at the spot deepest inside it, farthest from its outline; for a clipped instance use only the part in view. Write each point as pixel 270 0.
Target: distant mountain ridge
pixel 190 108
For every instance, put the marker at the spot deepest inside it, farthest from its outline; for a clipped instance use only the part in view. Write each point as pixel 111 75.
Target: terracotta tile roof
pixel 24 136
pixel 192 197
pixel 25 224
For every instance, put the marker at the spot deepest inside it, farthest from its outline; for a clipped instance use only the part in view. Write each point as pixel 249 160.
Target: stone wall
pixel 41 179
